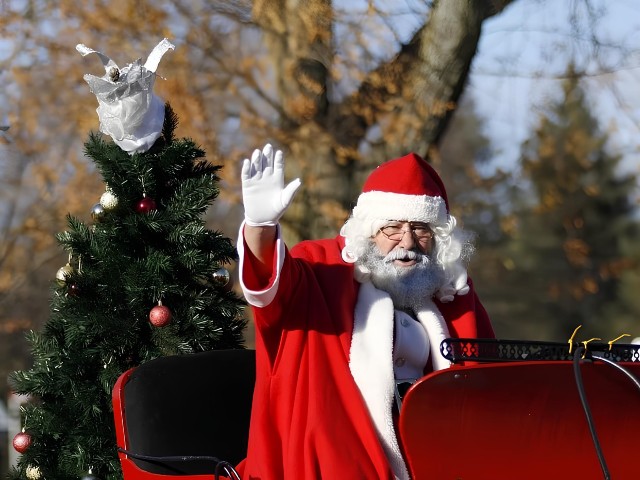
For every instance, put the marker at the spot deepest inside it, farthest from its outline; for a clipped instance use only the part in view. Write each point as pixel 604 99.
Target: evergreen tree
pixel 145 279
pixel 574 225
pixel 479 199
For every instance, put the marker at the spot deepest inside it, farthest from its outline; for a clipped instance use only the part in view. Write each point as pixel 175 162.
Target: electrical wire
pixel 580 351
pixel 229 470
pixel 577 356
pixel 186 458
pixel 622 369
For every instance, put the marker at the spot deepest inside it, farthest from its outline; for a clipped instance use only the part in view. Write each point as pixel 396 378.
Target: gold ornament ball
pixel 97 212
pixel 63 274
pixel 33 473
pixel 108 200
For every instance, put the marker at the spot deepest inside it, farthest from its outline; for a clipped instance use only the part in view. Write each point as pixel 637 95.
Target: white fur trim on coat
pixel 260 298
pixel 371 365
pixel 371 361
pixel 433 322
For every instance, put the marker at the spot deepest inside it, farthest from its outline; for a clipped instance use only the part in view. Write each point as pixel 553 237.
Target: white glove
pixel 264 194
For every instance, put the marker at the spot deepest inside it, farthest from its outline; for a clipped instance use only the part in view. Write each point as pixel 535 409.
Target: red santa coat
pixel 309 420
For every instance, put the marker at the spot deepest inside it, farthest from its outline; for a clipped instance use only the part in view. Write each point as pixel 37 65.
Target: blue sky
pixel 522 56
pixel 524 52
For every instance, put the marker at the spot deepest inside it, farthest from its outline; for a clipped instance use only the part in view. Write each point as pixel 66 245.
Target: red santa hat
pixel 406 188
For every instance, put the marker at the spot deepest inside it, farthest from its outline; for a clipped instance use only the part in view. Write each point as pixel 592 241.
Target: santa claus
pixel 341 322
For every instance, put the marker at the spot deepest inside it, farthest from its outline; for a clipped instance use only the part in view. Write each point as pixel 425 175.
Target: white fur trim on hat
pixel 397 206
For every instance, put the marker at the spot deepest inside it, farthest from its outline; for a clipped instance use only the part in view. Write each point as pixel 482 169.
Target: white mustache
pixel 401 254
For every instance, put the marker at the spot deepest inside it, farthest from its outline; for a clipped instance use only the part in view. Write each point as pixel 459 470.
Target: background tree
pixel 398 105
pixel 481 200
pixel 271 70
pixel 339 89
pixel 575 231
pixel 32 209
pixel 340 86
pixel 143 280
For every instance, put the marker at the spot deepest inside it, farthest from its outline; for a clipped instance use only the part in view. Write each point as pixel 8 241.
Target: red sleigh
pixel 525 410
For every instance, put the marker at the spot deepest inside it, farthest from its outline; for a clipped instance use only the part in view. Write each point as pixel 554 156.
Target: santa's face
pixel 407 236
pixel 402 266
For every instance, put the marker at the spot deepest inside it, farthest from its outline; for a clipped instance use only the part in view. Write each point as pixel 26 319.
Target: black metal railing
pixel 459 350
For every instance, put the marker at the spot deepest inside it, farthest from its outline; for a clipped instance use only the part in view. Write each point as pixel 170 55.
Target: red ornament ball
pixel 146 205
pixel 160 316
pixel 21 442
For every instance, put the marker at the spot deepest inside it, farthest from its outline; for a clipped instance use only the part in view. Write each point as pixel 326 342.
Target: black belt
pixel 401 388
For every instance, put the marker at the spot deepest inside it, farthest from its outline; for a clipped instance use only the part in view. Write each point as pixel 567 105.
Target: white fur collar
pixel 371 361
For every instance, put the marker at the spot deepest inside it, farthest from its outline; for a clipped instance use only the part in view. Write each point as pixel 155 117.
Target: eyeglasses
pixel 395 231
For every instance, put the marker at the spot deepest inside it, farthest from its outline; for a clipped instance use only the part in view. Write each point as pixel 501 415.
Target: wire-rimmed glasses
pixel 395 231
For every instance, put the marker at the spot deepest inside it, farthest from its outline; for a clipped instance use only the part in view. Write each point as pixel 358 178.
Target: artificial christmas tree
pixel 146 248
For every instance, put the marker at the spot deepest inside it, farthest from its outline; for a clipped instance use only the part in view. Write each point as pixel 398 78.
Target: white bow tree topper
pixel 128 110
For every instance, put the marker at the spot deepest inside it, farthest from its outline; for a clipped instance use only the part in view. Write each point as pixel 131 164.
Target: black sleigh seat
pixel 184 415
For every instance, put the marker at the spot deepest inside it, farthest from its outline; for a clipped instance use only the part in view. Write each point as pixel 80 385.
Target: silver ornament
pixel 221 277
pixel 63 273
pixel 108 200
pixel 97 212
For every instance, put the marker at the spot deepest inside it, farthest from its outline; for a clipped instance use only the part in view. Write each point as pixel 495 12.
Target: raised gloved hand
pixel 264 195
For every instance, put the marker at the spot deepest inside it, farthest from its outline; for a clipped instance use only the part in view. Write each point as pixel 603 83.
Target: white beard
pixel 408 286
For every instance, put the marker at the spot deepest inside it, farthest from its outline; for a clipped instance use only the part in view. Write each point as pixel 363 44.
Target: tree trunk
pixel 409 98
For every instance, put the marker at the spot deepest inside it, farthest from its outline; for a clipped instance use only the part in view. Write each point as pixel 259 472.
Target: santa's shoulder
pixel 326 250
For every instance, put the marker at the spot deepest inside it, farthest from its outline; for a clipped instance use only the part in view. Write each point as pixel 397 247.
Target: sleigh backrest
pixel 184 405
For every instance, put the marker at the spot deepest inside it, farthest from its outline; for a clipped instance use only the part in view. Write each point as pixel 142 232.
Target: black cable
pixel 587 411
pixel 229 470
pixel 175 458
pixel 186 458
